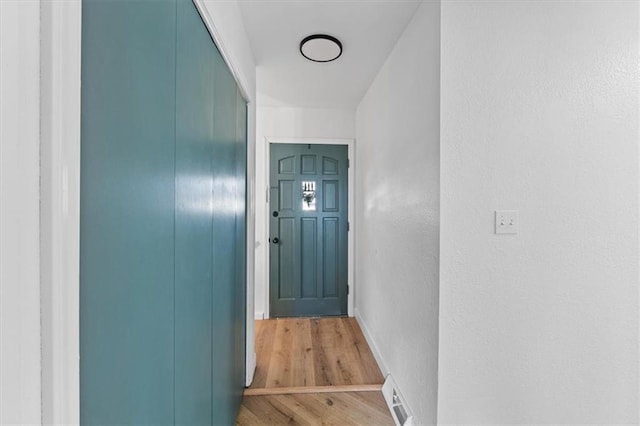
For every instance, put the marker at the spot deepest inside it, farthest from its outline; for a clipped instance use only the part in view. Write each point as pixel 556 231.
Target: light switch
pixel 506 221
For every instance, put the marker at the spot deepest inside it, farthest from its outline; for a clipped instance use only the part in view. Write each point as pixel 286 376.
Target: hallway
pixel 314 371
pixel 136 201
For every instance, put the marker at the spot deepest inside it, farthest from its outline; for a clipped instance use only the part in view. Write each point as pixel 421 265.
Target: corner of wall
pixel 372 343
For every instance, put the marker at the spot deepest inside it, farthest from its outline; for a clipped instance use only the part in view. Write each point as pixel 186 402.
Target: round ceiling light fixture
pixel 321 48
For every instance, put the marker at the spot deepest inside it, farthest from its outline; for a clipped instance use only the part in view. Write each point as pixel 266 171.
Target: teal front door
pixel 308 230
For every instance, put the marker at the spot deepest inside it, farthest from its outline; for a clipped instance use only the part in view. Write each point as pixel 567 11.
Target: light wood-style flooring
pixel 298 352
pixel 314 371
pixel 340 409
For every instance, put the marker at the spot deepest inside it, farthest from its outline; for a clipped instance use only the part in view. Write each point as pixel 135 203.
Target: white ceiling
pixel 368 30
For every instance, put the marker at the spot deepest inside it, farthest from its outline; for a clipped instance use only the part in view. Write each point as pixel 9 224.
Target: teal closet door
pixel 194 218
pixel 127 212
pixel 241 239
pixel 163 219
pixel 225 241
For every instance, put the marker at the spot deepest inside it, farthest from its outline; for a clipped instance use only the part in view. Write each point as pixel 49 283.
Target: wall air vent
pixel 396 403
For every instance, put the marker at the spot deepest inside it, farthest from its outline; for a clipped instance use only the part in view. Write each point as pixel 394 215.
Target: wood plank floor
pixel 340 409
pixel 314 371
pixel 301 352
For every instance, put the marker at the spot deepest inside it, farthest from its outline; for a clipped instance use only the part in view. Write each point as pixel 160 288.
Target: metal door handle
pixel 276 240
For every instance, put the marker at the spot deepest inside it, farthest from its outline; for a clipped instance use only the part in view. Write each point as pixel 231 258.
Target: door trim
pixel 60 51
pixel 351 176
pixel 224 51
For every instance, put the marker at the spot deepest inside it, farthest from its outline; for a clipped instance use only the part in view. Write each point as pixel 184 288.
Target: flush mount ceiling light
pixel 321 48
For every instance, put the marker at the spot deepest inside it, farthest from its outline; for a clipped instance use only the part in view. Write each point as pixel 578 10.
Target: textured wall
pixel 397 211
pixel 540 115
pixel 19 216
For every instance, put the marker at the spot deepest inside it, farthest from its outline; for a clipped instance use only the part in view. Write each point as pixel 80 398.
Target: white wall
pixel 397 212
pixel 539 114
pixel 19 216
pixel 285 122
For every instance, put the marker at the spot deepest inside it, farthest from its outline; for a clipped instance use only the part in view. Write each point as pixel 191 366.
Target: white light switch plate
pixel 507 222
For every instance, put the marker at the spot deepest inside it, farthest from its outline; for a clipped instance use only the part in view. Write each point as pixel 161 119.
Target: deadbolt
pixel 275 214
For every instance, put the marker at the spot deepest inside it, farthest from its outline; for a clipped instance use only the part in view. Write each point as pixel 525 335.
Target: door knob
pixel 275 214
pixel 276 240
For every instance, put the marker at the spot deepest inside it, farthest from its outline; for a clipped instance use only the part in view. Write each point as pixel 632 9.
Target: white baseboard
pixel 372 344
pixel 259 316
pixel 390 388
pixel 251 369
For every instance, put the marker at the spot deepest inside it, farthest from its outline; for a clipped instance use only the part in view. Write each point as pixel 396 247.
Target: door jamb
pixel 351 176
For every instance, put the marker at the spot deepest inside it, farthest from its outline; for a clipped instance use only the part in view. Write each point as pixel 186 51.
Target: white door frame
pixel 351 147
pixel 60 79
pixel 60 73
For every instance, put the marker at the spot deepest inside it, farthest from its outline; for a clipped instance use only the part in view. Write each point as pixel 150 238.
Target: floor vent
pixel 397 404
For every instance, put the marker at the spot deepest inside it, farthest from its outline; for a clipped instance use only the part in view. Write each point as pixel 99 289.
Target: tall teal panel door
pixel 163 217
pixel 194 219
pixel 241 249
pixel 226 243
pixel 308 230
pixel 127 212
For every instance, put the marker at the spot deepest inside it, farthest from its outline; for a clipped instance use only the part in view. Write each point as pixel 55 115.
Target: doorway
pixel 308 230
